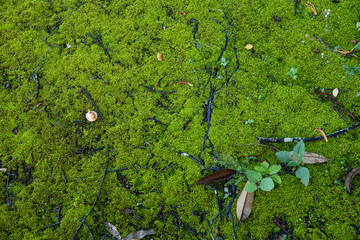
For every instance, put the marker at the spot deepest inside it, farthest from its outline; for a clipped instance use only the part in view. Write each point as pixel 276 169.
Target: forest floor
pixel 179 89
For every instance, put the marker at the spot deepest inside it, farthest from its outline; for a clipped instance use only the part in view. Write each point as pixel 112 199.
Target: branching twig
pixel 99 42
pixel 96 198
pixel 309 139
pixel 87 95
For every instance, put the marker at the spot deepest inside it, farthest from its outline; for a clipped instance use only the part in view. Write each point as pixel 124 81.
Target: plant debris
pixel 311 158
pixel 113 231
pixel 139 234
pixel 244 204
pixel 216 176
pixel 350 177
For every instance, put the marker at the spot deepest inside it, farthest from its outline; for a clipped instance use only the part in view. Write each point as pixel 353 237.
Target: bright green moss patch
pixel 54 157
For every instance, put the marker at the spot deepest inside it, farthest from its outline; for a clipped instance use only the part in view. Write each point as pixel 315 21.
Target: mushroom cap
pixel 91 116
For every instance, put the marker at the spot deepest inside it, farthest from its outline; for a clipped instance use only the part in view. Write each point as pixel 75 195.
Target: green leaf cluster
pixel 229 162
pixel 292 73
pixel 297 162
pixel 350 71
pixel 262 177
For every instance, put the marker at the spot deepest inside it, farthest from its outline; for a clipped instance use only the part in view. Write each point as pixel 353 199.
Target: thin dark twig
pixel 257 144
pixel 91 101
pixel 97 39
pixel 92 237
pixel 295 2
pixel 63 174
pixel 35 78
pixel 211 234
pixel 101 7
pixel 264 35
pixel 309 139
pixel 228 206
pixel 186 227
pixel 96 198
pixel 52 225
pixel 8 195
pixel 335 108
pixel 201 162
pixel 153 90
pixel 117 170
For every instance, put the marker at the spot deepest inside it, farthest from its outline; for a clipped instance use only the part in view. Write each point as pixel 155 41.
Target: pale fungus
pixel 91 116
pixel 249 46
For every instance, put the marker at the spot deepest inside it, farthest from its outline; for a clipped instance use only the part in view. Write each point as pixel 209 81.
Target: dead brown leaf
pixel 139 234
pixel 216 176
pixel 244 204
pixel 159 57
pixel 311 158
pixel 349 178
pixel 113 231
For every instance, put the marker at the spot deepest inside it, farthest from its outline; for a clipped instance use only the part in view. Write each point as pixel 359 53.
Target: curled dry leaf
pixel 139 234
pixel 311 158
pixel 126 210
pixel 113 231
pixel 244 204
pixel 349 178
pixel 216 176
pixel 159 57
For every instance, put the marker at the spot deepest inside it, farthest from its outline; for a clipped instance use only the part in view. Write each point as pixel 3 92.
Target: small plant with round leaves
pixel 296 161
pixel 262 177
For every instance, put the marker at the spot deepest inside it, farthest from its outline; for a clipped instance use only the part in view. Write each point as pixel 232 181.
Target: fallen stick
pixel 309 139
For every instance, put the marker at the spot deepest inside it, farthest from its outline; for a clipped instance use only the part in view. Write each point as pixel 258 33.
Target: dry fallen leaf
pixel 139 234
pixel 183 13
pixel 216 176
pixel 249 46
pixel 113 231
pixel 311 158
pixel 3 169
pixel 349 178
pixel 159 57
pixel 244 204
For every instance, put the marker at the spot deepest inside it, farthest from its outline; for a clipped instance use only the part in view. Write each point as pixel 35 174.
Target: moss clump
pixel 54 157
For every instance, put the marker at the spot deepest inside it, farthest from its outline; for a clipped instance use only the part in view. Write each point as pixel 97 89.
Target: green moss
pixel 48 143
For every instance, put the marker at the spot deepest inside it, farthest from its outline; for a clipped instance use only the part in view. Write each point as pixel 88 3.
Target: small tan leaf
pixel 3 169
pixel 159 57
pixel 139 234
pixel 249 46
pixel 311 158
pixel 113 231
pixel 349 178
pixel 244 204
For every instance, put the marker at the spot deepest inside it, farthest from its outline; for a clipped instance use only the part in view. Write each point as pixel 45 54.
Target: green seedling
pixel 262 177
pixel 249 122
pixel 224 62
pixel 292 73
pixel 297 162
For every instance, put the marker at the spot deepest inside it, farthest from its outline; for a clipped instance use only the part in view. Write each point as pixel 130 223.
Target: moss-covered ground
pixel 55 157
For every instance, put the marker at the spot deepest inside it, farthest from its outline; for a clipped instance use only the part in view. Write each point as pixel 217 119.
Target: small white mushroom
pixel 335 92
pixel 91 116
